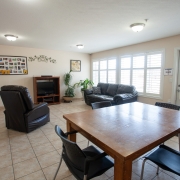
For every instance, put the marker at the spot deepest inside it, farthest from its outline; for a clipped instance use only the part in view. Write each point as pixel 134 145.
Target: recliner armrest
pixel 38 111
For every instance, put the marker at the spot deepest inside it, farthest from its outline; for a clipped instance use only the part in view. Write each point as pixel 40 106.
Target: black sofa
pixel 115 93
pixel 20 112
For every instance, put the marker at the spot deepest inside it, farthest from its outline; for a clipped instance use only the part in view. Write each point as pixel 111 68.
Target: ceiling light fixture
pixel 80 46
pixel 11 37
pixel 137 27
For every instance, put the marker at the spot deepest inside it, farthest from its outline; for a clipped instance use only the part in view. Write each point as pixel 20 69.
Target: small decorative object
pixel 42 58
pixel 69 93
pixel 168 72
pixel 75 65
pixel 10 65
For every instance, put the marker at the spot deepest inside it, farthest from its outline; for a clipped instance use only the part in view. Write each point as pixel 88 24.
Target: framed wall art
pixel 12 65
pixel 75 65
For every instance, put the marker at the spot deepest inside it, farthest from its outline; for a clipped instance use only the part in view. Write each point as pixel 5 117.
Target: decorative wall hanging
pixel 42 58
pixel 13 65
pixel 75 65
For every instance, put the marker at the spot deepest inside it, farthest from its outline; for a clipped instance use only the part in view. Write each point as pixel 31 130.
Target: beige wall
pixel 41 68
pixel 166 44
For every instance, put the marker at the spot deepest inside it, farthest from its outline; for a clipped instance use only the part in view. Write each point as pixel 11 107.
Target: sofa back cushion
pixel 112 89
pixel 103 87
pixel 96 90
pixel 125 89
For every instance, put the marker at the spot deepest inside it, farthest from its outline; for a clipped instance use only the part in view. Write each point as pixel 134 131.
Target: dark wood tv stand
pixel 49 98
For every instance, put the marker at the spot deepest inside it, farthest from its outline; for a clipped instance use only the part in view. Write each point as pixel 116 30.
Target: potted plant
pixel 84 85
pixel 69 93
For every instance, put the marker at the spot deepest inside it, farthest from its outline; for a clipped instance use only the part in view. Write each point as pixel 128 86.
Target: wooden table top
pixel 127 130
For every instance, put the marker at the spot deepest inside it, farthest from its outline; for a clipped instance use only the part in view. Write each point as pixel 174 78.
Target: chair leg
pixel 157 172
pixel 142 170
pixel 85 177
pixel 88 143
pixel 179 140
pixel 58 168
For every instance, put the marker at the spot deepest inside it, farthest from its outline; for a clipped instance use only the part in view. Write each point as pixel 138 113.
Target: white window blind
pixel 103 65
pixel 112 64
pixel 144 71
pixel 95 65
pixel 95 77
pixel 153 78
pixel 103 76
pixel 125 77
pixel 138 79
pixel 112 76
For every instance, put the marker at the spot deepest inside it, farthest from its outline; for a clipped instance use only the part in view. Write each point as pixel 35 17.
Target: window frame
pixel 145 94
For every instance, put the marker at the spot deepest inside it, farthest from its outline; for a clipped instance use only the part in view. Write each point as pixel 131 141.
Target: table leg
pixel 71 137
pixel 122 170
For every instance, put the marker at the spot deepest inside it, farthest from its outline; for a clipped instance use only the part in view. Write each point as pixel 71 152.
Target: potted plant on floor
pixel 69 93
pixel 85 84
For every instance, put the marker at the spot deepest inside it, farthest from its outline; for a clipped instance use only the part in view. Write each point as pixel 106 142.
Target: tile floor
pixel 35 156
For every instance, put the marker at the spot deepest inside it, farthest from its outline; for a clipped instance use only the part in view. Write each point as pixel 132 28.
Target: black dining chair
pixel 167 105
pixel 102 104
pixel 83 164
pixel 165 158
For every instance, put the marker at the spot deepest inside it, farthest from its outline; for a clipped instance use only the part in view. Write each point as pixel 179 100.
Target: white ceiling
pixel 98 24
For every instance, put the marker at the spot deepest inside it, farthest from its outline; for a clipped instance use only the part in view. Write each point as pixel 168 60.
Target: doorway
pixel 177 102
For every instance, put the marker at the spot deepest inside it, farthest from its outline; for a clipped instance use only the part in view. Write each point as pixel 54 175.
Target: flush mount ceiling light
pixel 11 37
pixel 137 27
pixel 80 46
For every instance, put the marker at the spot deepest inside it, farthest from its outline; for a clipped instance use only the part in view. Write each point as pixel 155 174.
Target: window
pixel 104 71
pixel 143 71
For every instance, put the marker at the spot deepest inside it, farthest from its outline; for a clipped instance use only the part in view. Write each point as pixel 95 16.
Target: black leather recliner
pixel 20 112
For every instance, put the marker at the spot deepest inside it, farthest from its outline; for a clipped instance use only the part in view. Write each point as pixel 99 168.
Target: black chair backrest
pixel 72 150
pixel 26 97
pixel 167 105
pixel 102 104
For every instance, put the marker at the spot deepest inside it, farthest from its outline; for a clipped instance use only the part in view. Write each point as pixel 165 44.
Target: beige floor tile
pixel 163 176
pixel 172 144
pixel 4 135
pixel 5 160
pixel 22 155
pixel 26 167
pixel 149 170
pixel 80 137
pixel 62 173
pixel 13 133
pixel 53 137
pixel 39 175
pixel 20 146
pixel 49 159
pixel 35 134
pixel 43 149
pixel 38 141
pixel 7 173
pixel 3 129
pixel 4 142
pixel 5 150
pixel 57 144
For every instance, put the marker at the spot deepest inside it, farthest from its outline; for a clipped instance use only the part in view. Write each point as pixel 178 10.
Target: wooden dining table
pixel 125 131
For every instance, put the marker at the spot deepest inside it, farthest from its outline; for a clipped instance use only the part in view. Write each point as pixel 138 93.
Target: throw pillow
pixel 96 90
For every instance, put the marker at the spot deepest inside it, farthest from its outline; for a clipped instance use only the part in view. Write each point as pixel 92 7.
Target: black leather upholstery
pixel 20 112
pixel 115 93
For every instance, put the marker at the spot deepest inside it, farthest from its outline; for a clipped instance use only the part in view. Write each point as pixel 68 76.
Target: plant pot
pixel 82 95
pixel 67 99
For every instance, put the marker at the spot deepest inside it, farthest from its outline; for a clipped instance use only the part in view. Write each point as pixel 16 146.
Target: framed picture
pixel 12 65
pixel 75 65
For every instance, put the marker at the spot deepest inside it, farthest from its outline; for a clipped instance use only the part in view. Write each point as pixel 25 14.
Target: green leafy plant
pixel 70 89
pixel 84 84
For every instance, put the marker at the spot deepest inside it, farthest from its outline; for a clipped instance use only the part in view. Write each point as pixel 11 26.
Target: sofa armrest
pixel 119 98
pixel 38 111
pixel 88 91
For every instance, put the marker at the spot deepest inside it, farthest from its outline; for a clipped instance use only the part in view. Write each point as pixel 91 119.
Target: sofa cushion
pixel 103 87
pixel 112 89
pixel 96 90
pixel 122 89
